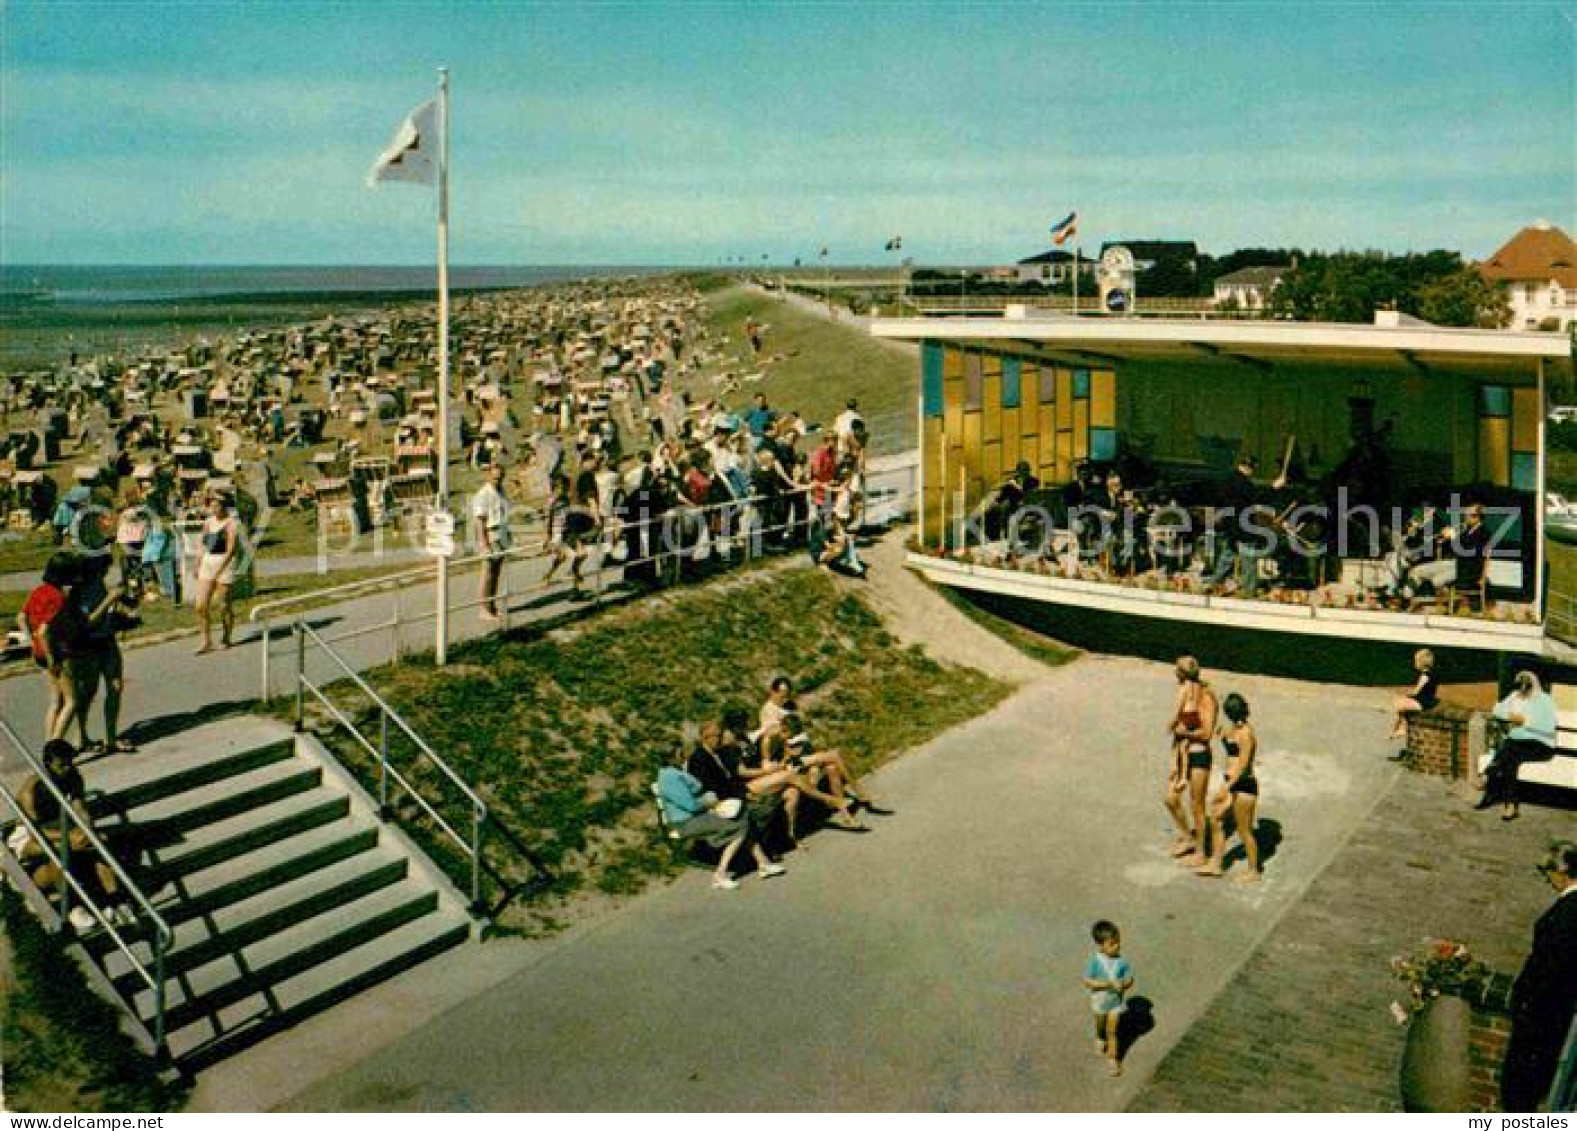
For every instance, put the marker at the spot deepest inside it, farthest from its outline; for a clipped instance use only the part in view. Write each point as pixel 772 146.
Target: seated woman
pixel 1533 723
pixel 695 813
pixel 88 868
pixel 1423 697
pixel 770 777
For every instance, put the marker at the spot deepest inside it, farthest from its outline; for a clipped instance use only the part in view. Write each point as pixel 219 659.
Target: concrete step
pixel 209 890
pixel 245 1022
pixel 208 989
pixel 129 781
pixel 236 836
pixel 187 811
pixel 206 938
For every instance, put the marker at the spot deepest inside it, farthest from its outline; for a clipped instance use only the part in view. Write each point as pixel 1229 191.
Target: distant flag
pixel 895 244
pixel 413 154
pixel 823 253
pixel 1063 232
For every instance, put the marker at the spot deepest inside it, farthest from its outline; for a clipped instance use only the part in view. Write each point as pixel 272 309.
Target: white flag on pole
pixel 413 154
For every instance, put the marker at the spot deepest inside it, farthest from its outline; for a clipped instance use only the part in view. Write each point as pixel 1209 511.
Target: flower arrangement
pixel 1444 967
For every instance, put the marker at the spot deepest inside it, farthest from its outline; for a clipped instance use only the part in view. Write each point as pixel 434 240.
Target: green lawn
pixel 563 733
pixel 62 1047
pixel 824 364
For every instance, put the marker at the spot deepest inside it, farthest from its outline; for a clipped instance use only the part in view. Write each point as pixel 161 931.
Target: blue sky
pixel 691 132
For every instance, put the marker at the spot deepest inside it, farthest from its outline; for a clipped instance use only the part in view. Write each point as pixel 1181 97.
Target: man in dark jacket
pixel 1544 996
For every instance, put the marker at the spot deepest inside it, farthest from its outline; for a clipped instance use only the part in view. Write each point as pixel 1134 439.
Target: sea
pixel 43 283
pixel 52 314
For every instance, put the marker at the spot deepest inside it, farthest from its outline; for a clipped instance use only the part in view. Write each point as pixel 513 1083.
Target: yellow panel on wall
pixel 931 451
pixel 972 440
pixel 953 364
pixel 953 406
pixel 1081 429
pixel 1012 440
pixel 1525 420
pixel 1494 450
pixel 1064 398
pixel 991 464
pixel 991 365
pixel 991 406
pixel 1103 398
pixel 1064 456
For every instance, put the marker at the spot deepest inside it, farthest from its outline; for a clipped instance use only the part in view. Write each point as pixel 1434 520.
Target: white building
pixel 1538 268
pixel 1249 288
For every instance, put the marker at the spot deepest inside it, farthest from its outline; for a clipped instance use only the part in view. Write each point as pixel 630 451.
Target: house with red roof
pixel 1538 268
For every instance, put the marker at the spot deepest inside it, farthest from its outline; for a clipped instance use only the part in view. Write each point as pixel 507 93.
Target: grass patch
pixel 562 733
pixel 63 1048
pixel 1027 641
pixel 824 363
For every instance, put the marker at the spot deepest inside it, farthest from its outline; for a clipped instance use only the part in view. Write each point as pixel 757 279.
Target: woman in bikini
pixel 1192 726
pixel 1238 795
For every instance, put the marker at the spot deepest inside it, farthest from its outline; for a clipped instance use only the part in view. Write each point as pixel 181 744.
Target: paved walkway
pixel 930 965
pixel 1305 1025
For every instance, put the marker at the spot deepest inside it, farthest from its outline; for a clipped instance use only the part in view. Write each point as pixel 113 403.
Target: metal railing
pixel 470 845
pixel 669 543
pixel 58 853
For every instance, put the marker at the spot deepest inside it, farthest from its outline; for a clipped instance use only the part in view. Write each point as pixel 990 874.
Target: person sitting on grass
pixel 696 813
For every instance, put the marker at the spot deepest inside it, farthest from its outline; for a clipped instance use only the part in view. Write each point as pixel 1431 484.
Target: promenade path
pixel 930 965
pixel 1305 1025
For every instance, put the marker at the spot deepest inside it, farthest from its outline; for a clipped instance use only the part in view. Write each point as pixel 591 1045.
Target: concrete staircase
pixel 284 892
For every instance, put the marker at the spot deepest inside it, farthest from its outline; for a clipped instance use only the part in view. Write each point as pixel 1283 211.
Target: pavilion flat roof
pixel 1263 344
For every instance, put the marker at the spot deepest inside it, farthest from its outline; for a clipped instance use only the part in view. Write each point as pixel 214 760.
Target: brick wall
pixel 1439 742
pixel 1488 1031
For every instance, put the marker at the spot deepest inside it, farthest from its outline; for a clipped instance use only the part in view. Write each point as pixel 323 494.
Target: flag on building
pixel 413 154
pixel 823 253
pixel 1063 232
pixel 895 244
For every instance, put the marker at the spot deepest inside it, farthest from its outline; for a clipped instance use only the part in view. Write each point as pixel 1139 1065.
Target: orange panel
pixel 952 364
pixel 1081 430
pixel 1064 399
pixel 991 464
pixel 1103 398
pixel 1012 440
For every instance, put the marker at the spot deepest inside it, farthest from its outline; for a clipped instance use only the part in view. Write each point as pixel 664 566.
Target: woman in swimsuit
pixel 1238 795
pixel 1192 726
pixel 1424 695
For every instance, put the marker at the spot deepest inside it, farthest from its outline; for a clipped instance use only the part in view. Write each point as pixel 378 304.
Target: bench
pixel 1560 771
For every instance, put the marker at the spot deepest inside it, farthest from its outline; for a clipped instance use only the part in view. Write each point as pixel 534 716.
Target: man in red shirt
pixel 824 469
pixel 44 604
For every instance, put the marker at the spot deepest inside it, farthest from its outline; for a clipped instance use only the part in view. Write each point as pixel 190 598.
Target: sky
pixel 698 133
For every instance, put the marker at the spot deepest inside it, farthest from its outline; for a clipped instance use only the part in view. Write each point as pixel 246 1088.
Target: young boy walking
pixel 1108 977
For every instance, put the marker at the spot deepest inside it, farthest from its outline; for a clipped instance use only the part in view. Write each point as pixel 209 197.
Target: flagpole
pixel 1076 255
pixel 441 645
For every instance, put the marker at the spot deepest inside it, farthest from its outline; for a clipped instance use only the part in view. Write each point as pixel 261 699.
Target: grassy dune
pixel 824 363
pixel 564 733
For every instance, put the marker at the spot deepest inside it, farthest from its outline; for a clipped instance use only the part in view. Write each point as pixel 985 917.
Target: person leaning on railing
pixel 88 868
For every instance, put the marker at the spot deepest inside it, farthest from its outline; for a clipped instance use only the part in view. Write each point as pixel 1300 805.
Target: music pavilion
pixel 1460 411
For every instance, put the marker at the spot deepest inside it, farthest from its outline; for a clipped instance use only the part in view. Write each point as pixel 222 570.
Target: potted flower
pixel 1440 980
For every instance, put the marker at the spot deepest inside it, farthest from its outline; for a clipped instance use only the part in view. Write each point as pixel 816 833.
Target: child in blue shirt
pixel 1108 977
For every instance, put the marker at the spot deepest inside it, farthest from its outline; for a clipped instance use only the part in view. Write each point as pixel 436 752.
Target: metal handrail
pixel 479 808
pixel 69 819
pixel 265 612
